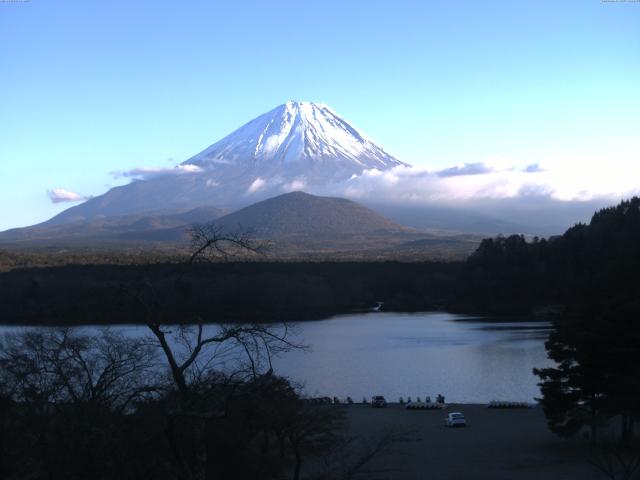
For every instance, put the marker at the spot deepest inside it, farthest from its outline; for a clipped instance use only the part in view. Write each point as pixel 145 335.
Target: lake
pixel 467 359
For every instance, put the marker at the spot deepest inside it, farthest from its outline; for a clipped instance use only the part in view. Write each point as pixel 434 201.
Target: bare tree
pixel 257 342
pixel 50 367
pixel 184 346
pixel 222 407
pixel 66 396
pixel 209 240
pixel 313 431
pixel 616 460
pixel 195 353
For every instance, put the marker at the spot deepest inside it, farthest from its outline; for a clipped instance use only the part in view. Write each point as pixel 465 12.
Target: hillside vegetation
pixel 595 263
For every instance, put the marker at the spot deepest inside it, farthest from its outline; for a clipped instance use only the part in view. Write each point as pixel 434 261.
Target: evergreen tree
pixel 596 376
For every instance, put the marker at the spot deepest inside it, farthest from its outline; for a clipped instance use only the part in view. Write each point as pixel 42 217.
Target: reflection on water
pixel 467 359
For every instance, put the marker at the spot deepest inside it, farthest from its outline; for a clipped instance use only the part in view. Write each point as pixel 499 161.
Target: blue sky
pixel 89 88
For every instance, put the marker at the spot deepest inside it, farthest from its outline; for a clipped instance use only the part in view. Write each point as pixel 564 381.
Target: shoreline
pixel 469 317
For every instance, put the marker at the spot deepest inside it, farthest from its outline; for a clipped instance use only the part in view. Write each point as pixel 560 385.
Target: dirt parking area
pixel 496 444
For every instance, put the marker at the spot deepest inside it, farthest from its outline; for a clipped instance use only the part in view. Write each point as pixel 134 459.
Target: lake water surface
pixel 467 359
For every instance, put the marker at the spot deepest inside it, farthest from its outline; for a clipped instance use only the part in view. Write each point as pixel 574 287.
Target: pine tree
pixel 596 376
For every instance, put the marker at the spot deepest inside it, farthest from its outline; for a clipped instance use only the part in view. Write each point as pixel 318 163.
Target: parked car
pixel 378 401
pixel 455 419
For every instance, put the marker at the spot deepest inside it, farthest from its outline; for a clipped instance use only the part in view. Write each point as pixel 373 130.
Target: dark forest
pixel 74 406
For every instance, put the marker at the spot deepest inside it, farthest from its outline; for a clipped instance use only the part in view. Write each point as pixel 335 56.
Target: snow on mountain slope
pixel 298 139
pixel 296 146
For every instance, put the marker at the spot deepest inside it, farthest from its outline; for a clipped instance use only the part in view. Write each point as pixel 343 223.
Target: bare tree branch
pixel 615 460
pixel 211 240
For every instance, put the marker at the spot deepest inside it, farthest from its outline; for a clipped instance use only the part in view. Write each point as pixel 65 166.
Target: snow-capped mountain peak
pixel 296 146
pixel 300 139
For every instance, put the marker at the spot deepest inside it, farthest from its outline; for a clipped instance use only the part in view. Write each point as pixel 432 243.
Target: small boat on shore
pixel 503 404
pixel 425 406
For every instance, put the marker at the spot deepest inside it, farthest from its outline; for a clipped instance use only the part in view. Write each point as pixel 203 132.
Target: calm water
pixel 467 359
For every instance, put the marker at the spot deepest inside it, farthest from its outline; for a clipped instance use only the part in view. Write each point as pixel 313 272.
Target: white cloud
pixel 144 173
pixel 60 195
pixel 295 185
pixel 476 168
pixel 556 177
pixel 533 168
pixel 257 184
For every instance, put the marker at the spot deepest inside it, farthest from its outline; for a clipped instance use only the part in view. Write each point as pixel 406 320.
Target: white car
pixel 455 419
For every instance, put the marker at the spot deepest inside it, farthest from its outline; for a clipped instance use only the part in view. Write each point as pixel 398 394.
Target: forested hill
pixel 594 272
pixel 590 265
pixel 598 262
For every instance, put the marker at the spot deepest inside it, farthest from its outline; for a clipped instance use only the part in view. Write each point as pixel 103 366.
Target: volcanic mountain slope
pixel 294 225
pixel 290 214
pixel 299 213
pixel 162 227
pixel 299 225
pixel 298 141
pixel 298 145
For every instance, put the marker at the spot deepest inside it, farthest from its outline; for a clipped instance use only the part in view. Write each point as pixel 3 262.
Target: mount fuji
pixel 302 141
pixel 296 146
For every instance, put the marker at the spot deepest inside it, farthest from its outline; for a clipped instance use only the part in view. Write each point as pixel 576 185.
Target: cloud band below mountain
pixel 476 168
pixel 60 195
pixel 144 173
pixel 477 181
